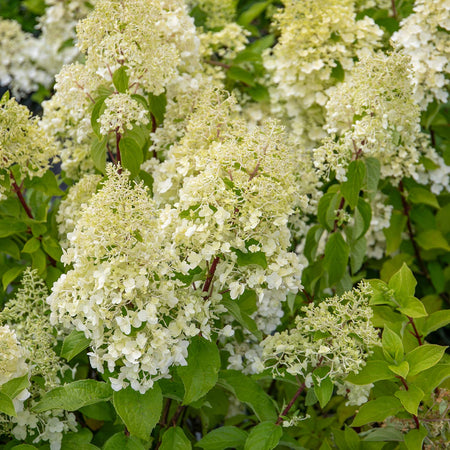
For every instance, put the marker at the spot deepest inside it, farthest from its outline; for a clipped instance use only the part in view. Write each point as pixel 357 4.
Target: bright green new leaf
pixel 74 395
pixel 120 441
pixel 139 412
pixel 9 247
pixel 422 195
pixel 414 438
pixel 222 438
pixel 74 344
pixel 31 245
pixel 424 357
pixel 14 387
pixel 175 439
pixel 435 321
pixel 377 410
pixel 432 240
pixel 10 275
pixel 373 371
pixel 328 204
pixel 201 373
pixel 6 405
pixel 121 79
pixel 8 228
pixel 431 378
pixel 411 398
pixel 158 106
pixel 265 436
pixel 323 386
pixel 350 189
pixel 336 257
pixel 392 345
pixel 401 369
pixel 403 282
pixel 250 14
pixel 412 307
pixel 97 111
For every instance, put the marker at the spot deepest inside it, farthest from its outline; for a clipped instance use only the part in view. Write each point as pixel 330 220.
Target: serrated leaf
pixel 14 387
pixel 222 438
pixel 175 439
pixel 158 106
pixel 411 398
pixel 328 204
pixel 139 412
pixel 357 254
pixel 74 344
pixel 350 189
pixel 377 410
pixel 200 374
pixel 336 257
pixel 97 111
pixel 6 405
pixel 424 357
pixel 51 247
pixel 363 217
pixel 384 435
pixel 312 242
pixel 242 75
pixel 431 378
pixel 74 395
pixel 265 436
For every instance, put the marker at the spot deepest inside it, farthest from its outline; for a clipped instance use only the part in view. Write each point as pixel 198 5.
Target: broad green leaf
pixel 328 204
pixel 377 410
pixel 432 240
pixel 248 391
pixel 79 440
pixel 414 438
pixel 424 357
pixel 244 319
pixel 373 371
pixel 8 228
pixel 384 434
pixel 6 405
pixel 411 398
pixel 139 412
pixel 222 438
pixel 10 275
pixel 312 242
pixel 250 14
pixel 431 378
pixel 350 189
pixel 51 247
pixel 363 217
pixel 97 111
pixel 242 75
pixel 265 436
pixel 372 176
pixel 48 184
pixel 14 387
pixel 9 247
pixel 401 369
pixel 121 79
pixel 412 307
pixel 246 259
pixel 120 441
pixel 336 257
pixel 259 93
pixel 323 386
pixel 435 321
pixel 98 154
pixel 99 411
pixel 39 261
pixel 392 345
pixel 73 344
pixel 201 373
pixel 443 219
pixel 31 245
pixel 175 439
pixel 437 275
pixel 422 195
pixel 131 155
pixel 158 106
pixel 403 282
pixel 74 395
pixel 357 254
pixel 24 447
pixel 381 294
pixel 394 232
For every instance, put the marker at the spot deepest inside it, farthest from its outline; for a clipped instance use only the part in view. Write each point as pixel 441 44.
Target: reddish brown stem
pixel 290 404
pixel 177 415
pixel 405 385
pixel 118 157
pixel 20 196
pixel 218 63
pixel 210 276
pixel 394 10
pixel 416 333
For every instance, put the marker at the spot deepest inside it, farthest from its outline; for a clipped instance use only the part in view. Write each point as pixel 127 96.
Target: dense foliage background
pixel 224 224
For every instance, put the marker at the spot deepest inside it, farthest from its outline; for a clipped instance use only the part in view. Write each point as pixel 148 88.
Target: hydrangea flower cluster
pixel 424 36
pixel 337 333
pixel 12 356
pixel 373 114
pixel 317 41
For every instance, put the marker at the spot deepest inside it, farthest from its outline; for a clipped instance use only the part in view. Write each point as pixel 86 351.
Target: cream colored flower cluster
pixel 337 333
pixel 425 37
pixel 12 356
pixel 318 42
pixel 123 292
pixel 22 142
pixel 373 114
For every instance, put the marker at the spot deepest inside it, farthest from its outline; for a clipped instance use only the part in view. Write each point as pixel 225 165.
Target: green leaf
pixel 412 307
pixel 323 386
pixel 244 319
pixel 97 111
pixel 350 189
pixel 15 386
pixel 10 275
pixel 47 184
pixel 422 195
pixel 265 436
pixel 24 447
pixel 328 204
pixel 175 439
pixel 79 440
pixel 9 247
pixel 99 411
pixel 394 233
pixel 158 106
pixel 139 412
pixel 312 242
pixel 401 369
pixel 9 227
pixel 411 398
pixel 74 344
pixel 432 240
pixel 384 434
pixel 392 345
pixel 246 259
pixel 377 410
pixel 98 154
pixel 250 14
pixel 424 357
pixel 31 245
pixel 363 217
pixel 39 261
pixel 357 254
pixel 74 395
pixel 242 75
pixel 435 321
pixel 431 378
pixel 6 405
pixel 373 371
pixel 372 176
pixel 121 79
pixel 259 93
pixel 51 247
pixel 201 373
pixel 248 391
pixel 131 155
pixel 336 257
pixel 120 441
pixel 222 438
pixel 414 438
pixel 403 282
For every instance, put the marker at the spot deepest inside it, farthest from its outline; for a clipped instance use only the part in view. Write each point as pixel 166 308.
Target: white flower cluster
pixel 337 333
pixel 381 216
pixel 425 37
pixel 317 40
pixel 373 114
pixel 357 395
pixel 12 356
